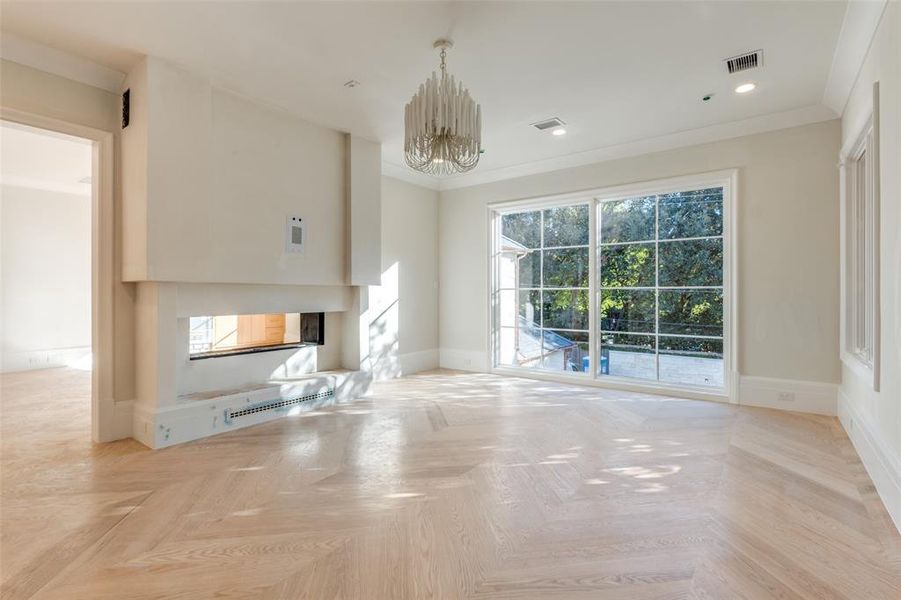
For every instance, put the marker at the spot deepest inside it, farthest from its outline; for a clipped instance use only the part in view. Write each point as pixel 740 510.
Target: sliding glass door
pixel 661 287
pixel 629 286
pixel 543 301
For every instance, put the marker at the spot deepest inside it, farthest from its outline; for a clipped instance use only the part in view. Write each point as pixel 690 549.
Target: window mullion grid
pixel 597 347
pixel 595 290
pixel 657 287
pixel 541 288
pixel 593 300
pixel 675 335
pixel 860 262
pixel 870 198
pixel 683 239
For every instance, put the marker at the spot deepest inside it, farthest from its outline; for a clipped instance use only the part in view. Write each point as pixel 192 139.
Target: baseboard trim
pixel 788 394
pixel 123 420
pixel 883 467
pixel 463 360
pixel 415 362
pixel 29 360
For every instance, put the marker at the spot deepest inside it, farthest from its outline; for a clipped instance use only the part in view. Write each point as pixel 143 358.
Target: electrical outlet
pixel 786 397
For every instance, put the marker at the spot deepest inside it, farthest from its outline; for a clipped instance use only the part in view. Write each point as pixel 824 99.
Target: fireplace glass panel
pixel 223 335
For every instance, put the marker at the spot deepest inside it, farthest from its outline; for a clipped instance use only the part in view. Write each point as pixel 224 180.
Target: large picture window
pixel 616 286
pixel 661 287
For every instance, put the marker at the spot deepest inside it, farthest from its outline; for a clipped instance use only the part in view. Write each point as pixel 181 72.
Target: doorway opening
pixel 46 276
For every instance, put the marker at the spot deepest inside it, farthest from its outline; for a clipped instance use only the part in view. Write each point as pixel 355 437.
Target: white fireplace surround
pixel 181 399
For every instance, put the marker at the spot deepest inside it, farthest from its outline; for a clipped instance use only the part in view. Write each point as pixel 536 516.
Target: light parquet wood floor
pixel 444 485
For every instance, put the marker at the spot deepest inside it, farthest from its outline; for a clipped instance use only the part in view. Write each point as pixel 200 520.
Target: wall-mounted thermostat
pixel 295 234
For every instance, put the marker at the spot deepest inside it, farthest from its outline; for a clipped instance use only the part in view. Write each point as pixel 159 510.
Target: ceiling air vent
pixel 548 124
pixel 744 62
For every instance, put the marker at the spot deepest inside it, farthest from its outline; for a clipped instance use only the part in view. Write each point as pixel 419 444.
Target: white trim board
pixel 680 139
pixel 27 360
pixel 809 396
pixel 614 383
pixel 788 394
pixel 416 362
pixel 404 173
pixel 463 360
pixel 883 467
pixel 45 58
pixel 50 60
pixel 858 28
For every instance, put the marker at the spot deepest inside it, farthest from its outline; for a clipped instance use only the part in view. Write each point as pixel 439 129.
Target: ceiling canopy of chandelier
pixel 443 124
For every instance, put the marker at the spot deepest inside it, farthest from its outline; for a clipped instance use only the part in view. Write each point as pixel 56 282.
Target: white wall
pixel 210 177
pixel 787 212
pixel 873 419
pixel 410 241
pixel 45 276
pixel 392 329
pixel 362 170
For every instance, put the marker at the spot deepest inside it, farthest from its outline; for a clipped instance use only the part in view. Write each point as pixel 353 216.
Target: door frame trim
pixel 103 278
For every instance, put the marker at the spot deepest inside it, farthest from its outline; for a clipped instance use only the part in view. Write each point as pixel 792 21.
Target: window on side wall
pixel 862 255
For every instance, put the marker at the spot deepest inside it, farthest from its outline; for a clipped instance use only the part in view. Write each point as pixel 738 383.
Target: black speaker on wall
pixel 126 108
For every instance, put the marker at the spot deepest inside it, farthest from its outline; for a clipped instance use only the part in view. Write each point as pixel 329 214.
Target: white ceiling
pixel 616 72
pixel 39 159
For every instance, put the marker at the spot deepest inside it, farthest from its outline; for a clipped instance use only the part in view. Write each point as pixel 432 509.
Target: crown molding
pixel 44 58
pixel 858 29
pixel 691 137
pixel 410 176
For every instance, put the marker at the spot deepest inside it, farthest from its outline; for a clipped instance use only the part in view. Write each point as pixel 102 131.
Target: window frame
pixel 494 256
pixel 728 180
pixel 860 264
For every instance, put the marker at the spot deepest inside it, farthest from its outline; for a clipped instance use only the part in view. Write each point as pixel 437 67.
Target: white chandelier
pixel 443 124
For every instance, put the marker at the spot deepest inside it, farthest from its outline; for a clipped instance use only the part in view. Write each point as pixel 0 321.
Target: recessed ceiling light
pixel 745 88
pixel 559 131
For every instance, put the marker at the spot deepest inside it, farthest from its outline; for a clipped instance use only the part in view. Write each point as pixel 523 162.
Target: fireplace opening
pixel 228 335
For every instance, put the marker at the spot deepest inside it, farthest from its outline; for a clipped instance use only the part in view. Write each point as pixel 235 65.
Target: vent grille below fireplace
pixel 277 404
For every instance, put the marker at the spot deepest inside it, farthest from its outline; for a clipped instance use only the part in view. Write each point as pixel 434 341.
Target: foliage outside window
pixel 661 287
pixel 543 296
pixel 658 285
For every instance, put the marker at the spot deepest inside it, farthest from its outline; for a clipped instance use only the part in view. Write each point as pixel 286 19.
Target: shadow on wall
pixel 383 316
pixel 381 319
pixel 302 362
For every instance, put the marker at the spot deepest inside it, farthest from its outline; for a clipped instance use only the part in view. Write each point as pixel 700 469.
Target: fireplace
pixel 230 335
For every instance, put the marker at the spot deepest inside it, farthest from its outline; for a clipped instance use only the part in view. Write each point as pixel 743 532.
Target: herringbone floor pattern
pixel 444 485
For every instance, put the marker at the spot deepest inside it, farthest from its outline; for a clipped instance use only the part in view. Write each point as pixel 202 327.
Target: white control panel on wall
pixel 295 234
